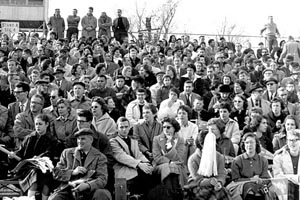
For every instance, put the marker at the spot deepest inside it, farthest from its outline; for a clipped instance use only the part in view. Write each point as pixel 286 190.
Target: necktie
pixel 188 102
pixel 22 107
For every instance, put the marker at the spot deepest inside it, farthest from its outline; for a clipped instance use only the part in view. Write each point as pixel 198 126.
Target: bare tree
pixel 230 31
pixel 161 18
pixel 165 14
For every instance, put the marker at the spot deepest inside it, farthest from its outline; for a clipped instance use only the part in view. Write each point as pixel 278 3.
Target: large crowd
pixel 214 119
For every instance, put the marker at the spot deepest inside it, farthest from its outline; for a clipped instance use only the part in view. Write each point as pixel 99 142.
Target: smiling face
pixel 293 143
pixel 290 124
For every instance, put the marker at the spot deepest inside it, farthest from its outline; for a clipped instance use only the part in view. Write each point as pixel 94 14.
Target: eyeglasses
pixel 167 127
pixel 293 140
pixel 235 101
pixel 18 92
pixel 81 121
pixel 53 97
pixel 270 84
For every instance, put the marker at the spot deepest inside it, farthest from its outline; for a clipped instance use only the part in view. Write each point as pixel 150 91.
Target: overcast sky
pixel 202 16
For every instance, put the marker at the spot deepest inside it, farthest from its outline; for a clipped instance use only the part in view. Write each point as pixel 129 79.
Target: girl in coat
pixel 39 143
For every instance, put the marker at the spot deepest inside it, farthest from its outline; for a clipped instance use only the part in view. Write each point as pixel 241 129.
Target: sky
pixel 201 16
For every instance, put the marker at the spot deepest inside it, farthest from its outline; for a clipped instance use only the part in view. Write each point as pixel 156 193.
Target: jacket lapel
pixel 90 157
pixel 123 144
pixel 77 158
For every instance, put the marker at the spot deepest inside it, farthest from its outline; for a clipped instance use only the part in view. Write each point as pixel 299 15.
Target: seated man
pixel 86 163
pixel 131 163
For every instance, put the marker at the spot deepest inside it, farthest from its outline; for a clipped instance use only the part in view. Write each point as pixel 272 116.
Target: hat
pixel 18 49
pixel 78 83
pixel 160 72
pixel 41 81
pixel 84 131
pixel 267 70
pixel 138 78
pixel 255 87
pixel 59 70
pixel 270 80
pixel 224 89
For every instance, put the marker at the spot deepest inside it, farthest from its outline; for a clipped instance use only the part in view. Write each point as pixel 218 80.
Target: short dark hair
pixel 192 66
pixel 186 109
pixel 101 102
pixel 173 122
pixel 225 105
pixel 123 119
pixel 150 106
pixel 99 67
pixel 175 90
pixel 85 113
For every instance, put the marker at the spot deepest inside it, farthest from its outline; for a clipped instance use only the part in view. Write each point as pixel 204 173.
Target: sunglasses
pixel 270 84
pixel 167 127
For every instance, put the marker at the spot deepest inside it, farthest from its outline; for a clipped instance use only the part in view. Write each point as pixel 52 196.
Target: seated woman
pixel 207 168
pixel 169 107
pixel 286 160
pixel 168 155
pixel 240 110
pixel 39 143
pixel 279 140
pixel 248 171
pixel 102 122
pixel 224 144
pixel 259 125
pixel 66 123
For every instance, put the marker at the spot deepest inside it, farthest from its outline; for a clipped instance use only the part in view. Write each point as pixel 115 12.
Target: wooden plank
pixel 120 189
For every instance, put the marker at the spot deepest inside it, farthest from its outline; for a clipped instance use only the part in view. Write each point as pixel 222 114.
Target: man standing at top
pixel 120 27
pixel 73 21
pixel 271 30
pixel 56 24
pixel 104 23
pixel 89 24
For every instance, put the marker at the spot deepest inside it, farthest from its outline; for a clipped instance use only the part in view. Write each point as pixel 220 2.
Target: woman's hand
pixel 256 179
pixel 170 103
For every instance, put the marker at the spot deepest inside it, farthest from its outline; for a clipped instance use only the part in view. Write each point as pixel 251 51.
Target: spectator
pixel 120 27
pixel 73 22
pixel 68 169
pixel 56 24
pixel 79 100
pixel 169 107
pixel 105 24
pixel 147 130
pixel 24 122
pixel 131 163
pixel 279 140
pixel 89 24
pixel 101 120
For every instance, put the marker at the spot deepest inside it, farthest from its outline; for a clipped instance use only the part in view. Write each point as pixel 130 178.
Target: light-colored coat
pixel 105 125
pixel 89 21
pixel 283 166
pixel 265 105
pixel 133 113
pixel 126 166
pixel 162 159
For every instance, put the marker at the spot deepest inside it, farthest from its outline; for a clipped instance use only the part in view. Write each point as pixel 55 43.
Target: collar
pixel 246 157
